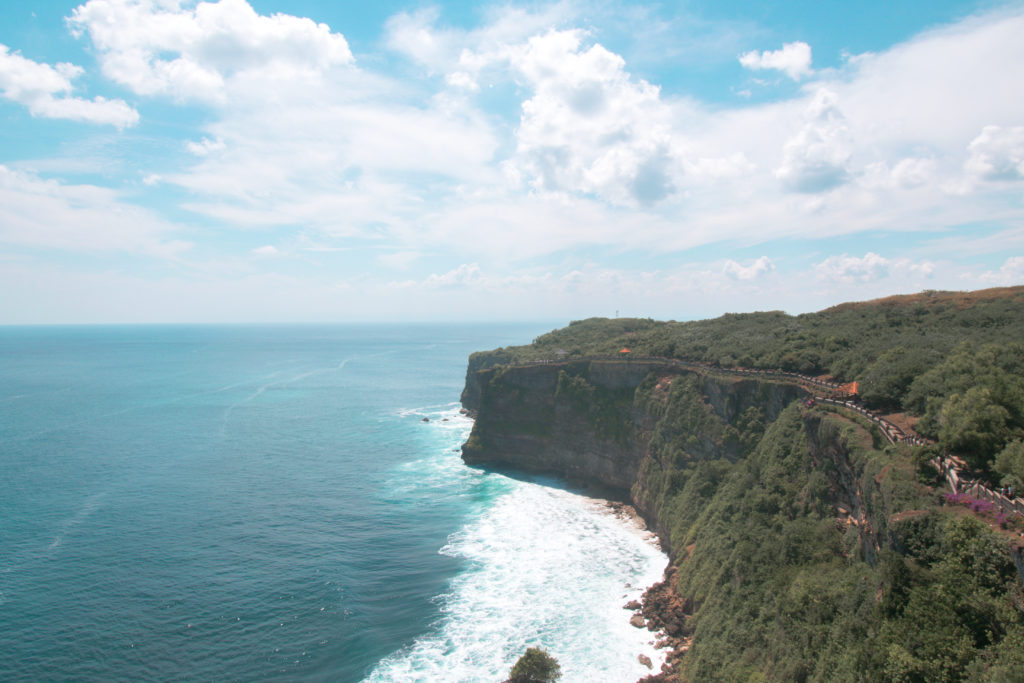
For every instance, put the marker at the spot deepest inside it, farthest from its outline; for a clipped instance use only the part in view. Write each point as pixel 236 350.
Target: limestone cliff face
pixel 478 361
pixel 619 425
pixel 633 428
pixel 525 420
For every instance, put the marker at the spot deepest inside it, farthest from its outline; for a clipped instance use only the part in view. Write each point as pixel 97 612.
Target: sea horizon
pixel 266 501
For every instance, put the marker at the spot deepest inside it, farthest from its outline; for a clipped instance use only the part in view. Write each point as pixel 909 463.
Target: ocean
pixel 267 503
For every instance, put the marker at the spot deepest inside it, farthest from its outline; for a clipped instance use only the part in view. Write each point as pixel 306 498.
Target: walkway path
pixel 831 393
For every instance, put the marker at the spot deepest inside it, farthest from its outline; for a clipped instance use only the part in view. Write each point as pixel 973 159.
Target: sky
pixel 166 161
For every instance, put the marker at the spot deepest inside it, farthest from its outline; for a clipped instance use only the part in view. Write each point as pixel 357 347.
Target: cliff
pixel 797 546
pixel 632 428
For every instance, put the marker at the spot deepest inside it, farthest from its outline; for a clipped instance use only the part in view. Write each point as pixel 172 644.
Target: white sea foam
pixel 546 567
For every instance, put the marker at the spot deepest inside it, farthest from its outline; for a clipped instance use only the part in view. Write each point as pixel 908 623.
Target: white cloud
pixel 589 127
pixel 166 47
pixel 853 269
pixel 873 267
pixel 205 147
pixel 84 218
pixel 461 79
pixel 46 89
pixel 907 174
pixel 1011 273
pixel 757 269
pixel 997 154
pixel 600 157
pixel 794 60
pixel 416 36
pixel 816 158
pixel 465 275
pixel 464 54
pixel 268 250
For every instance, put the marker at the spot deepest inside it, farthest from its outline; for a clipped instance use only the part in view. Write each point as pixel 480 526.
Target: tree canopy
pixel 535 665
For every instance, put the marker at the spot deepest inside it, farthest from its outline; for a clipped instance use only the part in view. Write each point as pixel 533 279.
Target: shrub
pixel 535 665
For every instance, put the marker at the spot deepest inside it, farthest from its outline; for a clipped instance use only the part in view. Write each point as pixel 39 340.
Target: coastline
pixel 545 565
pixel 660 610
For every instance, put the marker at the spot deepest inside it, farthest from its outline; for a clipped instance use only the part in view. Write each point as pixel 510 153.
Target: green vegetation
pixel 973 401
pixel 782 591
pixel 808 548
pixel 535 665
pixel 955 359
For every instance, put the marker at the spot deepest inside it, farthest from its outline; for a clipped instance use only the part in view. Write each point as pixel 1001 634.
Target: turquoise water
pixel 267 503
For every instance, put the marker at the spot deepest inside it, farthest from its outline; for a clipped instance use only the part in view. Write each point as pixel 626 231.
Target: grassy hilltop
pixel 953 359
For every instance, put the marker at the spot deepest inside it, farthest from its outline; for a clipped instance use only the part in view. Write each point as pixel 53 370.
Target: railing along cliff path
pixel 833 394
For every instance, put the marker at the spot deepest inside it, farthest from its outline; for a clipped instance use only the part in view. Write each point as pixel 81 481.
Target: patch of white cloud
pixel 868 268
pixel 416 35
pixel 871 267
pixel 267 250
pixel 461 79
pixel 589 127
pixel 1010 273
pixel 997 154
pixel 205 147
pixel 757 269
pixel 86 218
pixel 466 275
pixel 816 159
pixel 793 59
pixel 463 55
pixel 906 174
pixel 298 136
pixel 46 91
pixel 193 52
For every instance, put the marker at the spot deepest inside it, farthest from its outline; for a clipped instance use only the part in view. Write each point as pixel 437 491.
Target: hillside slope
pixel 803 546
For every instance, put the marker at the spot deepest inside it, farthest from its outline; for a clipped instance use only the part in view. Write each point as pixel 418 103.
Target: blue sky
pixel 233 161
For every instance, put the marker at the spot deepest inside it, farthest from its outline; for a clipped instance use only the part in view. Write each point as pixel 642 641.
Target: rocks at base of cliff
pixel 632 605
pixel 646 661
pixel 665 611
pixel 638 621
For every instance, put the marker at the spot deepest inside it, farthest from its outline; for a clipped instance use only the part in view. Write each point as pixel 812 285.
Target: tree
pixel 974 425
pixel 535 665
pixel 1010 464
pixel 887 380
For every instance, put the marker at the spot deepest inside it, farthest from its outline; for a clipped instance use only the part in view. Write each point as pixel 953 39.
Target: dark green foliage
pixel 809 548
pixel 1010 464
pixel 914 352
pixel 846 340
pixel 535 665
pixel 886 381
pixel 955 611
pixel 974 424
pixel 973 402
pixel 783 593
